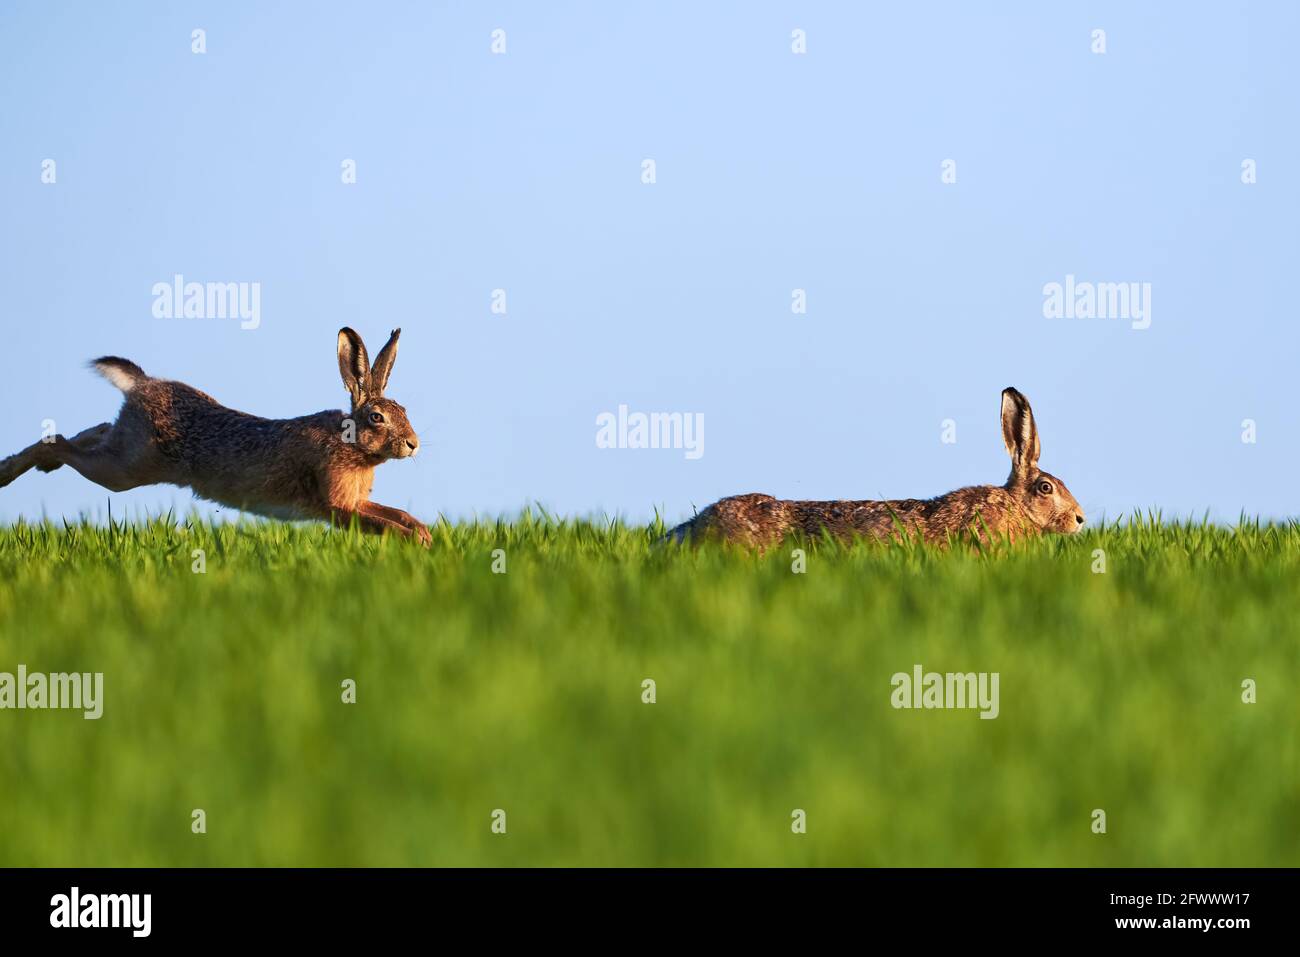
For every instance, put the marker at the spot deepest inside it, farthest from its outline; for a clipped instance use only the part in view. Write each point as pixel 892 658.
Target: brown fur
pixel 1030 503
pixel 303 468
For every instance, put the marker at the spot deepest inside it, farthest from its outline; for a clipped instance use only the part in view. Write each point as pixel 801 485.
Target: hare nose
pixel 413 446
pixel 1078 519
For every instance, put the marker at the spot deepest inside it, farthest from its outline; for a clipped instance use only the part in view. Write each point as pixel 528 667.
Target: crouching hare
pixel 319 466
pixel 1030 503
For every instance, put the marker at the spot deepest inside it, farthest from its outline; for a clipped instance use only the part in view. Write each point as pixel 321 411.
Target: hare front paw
pixel 422 533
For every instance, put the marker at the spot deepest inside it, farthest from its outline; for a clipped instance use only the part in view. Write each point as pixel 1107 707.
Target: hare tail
pixel 123 373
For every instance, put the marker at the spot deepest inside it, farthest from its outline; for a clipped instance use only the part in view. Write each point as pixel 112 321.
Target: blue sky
pixel 775 171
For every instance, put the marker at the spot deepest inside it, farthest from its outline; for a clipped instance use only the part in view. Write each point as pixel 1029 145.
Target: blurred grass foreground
pixel 549 692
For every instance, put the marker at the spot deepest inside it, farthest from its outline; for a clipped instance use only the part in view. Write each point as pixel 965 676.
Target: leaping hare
pixel 1030 503
pixel 319 466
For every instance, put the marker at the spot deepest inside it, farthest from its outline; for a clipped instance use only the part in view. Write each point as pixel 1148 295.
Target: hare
pixel 1031 502
pixel 319 466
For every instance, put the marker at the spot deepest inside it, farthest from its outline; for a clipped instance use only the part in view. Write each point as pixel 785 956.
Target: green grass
pixel 523 691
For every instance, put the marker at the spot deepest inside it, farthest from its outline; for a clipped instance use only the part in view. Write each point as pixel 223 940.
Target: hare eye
pixel 1045 488
pixel 376 418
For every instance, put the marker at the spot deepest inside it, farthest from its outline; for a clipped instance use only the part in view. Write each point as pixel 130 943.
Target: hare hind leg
pixel 86 440
pixel 16 464
pixel 39 455
pixel 95 458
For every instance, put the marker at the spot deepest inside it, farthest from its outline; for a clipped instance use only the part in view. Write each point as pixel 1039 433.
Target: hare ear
pixel 1019 432
pixel 383 366
pixel 354 365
